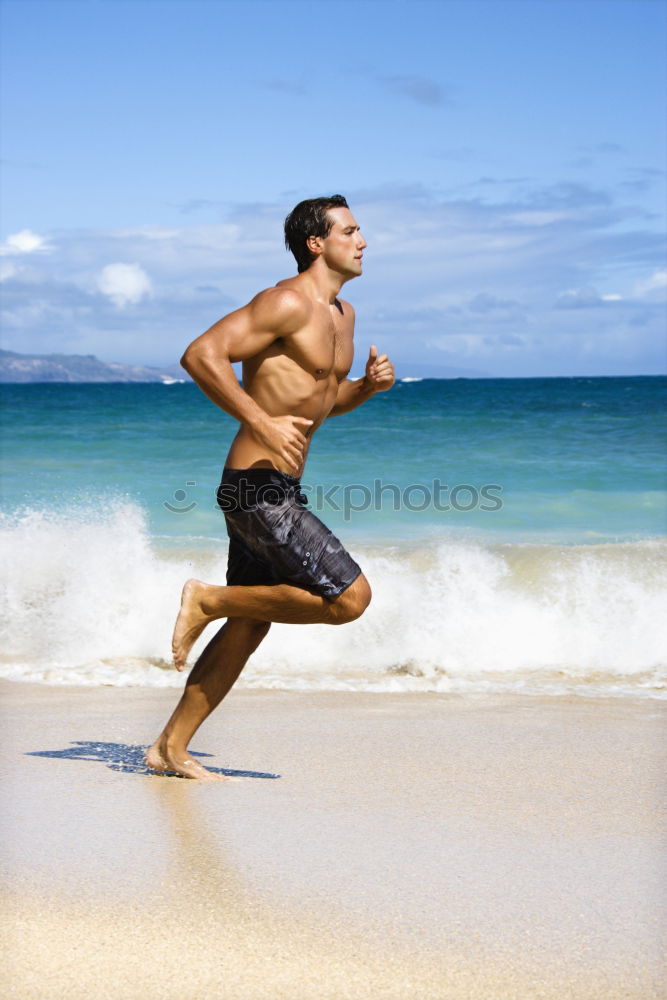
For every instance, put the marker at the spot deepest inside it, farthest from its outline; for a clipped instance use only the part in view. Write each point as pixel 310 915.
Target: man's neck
pixel 325 284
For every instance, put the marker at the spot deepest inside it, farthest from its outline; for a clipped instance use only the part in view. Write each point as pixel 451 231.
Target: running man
pixel 296 344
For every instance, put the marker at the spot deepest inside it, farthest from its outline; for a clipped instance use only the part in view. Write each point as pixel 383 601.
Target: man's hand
pixel 379 371
pixel 285 437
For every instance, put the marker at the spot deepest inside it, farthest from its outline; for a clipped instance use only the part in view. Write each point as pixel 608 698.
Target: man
pixel 295 342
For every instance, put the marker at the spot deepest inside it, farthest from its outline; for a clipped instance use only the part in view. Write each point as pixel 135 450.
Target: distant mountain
pixel 79 368
pixel 25 368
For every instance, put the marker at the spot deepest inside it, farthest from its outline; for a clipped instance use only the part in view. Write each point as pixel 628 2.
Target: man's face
pixel 343 248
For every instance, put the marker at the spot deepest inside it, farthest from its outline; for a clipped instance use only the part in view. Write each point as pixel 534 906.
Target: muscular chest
pixel 323 348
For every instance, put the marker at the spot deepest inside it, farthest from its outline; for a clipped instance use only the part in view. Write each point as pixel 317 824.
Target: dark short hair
pixel 309 218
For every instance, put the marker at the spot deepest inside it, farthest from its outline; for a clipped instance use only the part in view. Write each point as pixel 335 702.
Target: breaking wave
pixel 90 599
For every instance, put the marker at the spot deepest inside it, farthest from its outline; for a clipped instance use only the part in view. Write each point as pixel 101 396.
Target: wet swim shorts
pixel 274 539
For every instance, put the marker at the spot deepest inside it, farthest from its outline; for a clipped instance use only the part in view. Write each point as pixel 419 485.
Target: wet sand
pixel 375 846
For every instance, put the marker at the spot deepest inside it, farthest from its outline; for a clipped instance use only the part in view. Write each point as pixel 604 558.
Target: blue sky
pixel 505 159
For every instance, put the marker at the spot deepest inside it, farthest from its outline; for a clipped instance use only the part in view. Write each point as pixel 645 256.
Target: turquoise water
pixel 547 574
pixel 568 459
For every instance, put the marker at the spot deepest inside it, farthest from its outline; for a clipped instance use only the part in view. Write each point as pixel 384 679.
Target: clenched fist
pixel 379 371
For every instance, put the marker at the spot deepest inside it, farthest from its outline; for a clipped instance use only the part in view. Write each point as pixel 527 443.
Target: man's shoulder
pixel 283 296
pixel 282 307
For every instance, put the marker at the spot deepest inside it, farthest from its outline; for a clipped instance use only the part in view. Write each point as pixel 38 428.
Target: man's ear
pixel 314 244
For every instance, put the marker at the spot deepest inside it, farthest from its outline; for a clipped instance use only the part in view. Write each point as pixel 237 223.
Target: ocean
pixel 513 532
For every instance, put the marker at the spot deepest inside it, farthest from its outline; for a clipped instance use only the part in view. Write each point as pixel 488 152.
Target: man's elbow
pixel 200 362
pixel 189 359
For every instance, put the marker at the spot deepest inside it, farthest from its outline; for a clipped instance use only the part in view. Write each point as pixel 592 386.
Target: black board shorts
pixel 273 538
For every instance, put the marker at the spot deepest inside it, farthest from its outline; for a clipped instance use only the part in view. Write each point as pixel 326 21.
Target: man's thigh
pixel 286 543
pixel 244 569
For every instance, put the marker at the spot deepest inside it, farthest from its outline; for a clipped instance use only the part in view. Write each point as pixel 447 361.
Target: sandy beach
pixel 373 846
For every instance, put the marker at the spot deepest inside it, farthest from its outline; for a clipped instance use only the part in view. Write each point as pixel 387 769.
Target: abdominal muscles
pixel 281 387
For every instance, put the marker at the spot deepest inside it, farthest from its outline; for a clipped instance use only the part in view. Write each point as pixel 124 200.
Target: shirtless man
pixel 296 344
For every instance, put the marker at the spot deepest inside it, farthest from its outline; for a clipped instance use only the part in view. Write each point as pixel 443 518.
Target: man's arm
pixel 378 378
pixel 243 334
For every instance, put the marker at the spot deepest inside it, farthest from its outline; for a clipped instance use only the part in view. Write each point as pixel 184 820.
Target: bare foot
pixel 162 762
pixel 190 623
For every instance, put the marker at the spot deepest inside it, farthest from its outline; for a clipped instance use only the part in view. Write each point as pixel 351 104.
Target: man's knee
pixel 352 602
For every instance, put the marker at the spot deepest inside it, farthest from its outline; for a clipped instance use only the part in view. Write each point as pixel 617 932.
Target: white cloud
pixel 657 281
pixel 585 298
pixel 25 241
pixel 436 267
pixel 578 298
pixel 124 283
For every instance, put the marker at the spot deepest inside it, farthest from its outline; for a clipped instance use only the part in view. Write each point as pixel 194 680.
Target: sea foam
pixel 91 599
